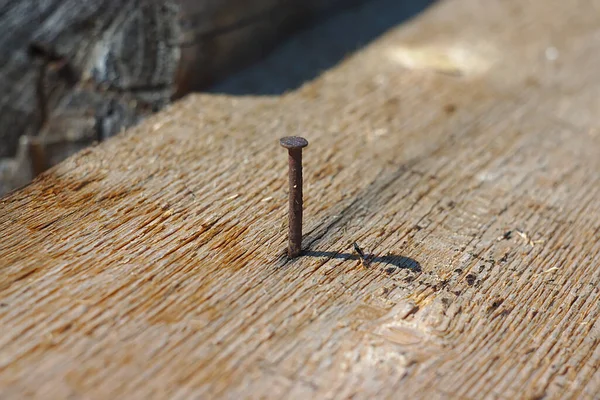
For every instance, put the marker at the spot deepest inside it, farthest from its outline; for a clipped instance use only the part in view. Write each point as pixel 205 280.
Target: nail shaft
pixel 295 200
pixel 294 145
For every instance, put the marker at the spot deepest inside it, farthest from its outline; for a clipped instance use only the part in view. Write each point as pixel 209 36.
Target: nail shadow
pixel 396 261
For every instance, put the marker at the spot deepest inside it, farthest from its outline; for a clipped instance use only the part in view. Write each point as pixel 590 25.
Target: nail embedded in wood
pixel 294 144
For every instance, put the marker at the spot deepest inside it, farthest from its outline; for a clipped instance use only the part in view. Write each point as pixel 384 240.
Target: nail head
pixel 293 142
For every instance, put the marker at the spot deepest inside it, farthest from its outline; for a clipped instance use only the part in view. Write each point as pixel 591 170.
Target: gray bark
pixel 79 71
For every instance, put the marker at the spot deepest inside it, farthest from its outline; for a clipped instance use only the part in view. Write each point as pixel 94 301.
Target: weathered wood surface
pixel 462 149
pixel 75 71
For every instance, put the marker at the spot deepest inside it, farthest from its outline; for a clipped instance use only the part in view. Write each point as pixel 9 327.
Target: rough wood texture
pixel 78 71
pixel 68 59
pixel 462 149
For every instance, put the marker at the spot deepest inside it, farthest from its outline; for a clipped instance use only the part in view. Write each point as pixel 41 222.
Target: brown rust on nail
pixel 294 144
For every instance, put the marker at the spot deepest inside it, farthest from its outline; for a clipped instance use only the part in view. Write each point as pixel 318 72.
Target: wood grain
pixel 462 149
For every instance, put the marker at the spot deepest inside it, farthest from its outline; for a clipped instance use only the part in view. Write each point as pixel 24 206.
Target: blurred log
pixel 81 71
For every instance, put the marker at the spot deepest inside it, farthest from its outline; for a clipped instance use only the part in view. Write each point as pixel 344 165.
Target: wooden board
pixel 462 149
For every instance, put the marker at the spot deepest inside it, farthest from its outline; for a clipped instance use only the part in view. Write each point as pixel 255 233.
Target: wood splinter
pixel 365 259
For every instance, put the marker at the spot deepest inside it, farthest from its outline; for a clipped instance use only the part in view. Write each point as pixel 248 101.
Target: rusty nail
pixel 294 144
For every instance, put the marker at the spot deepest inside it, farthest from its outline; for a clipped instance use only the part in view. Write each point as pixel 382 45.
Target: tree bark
pixel 78 71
